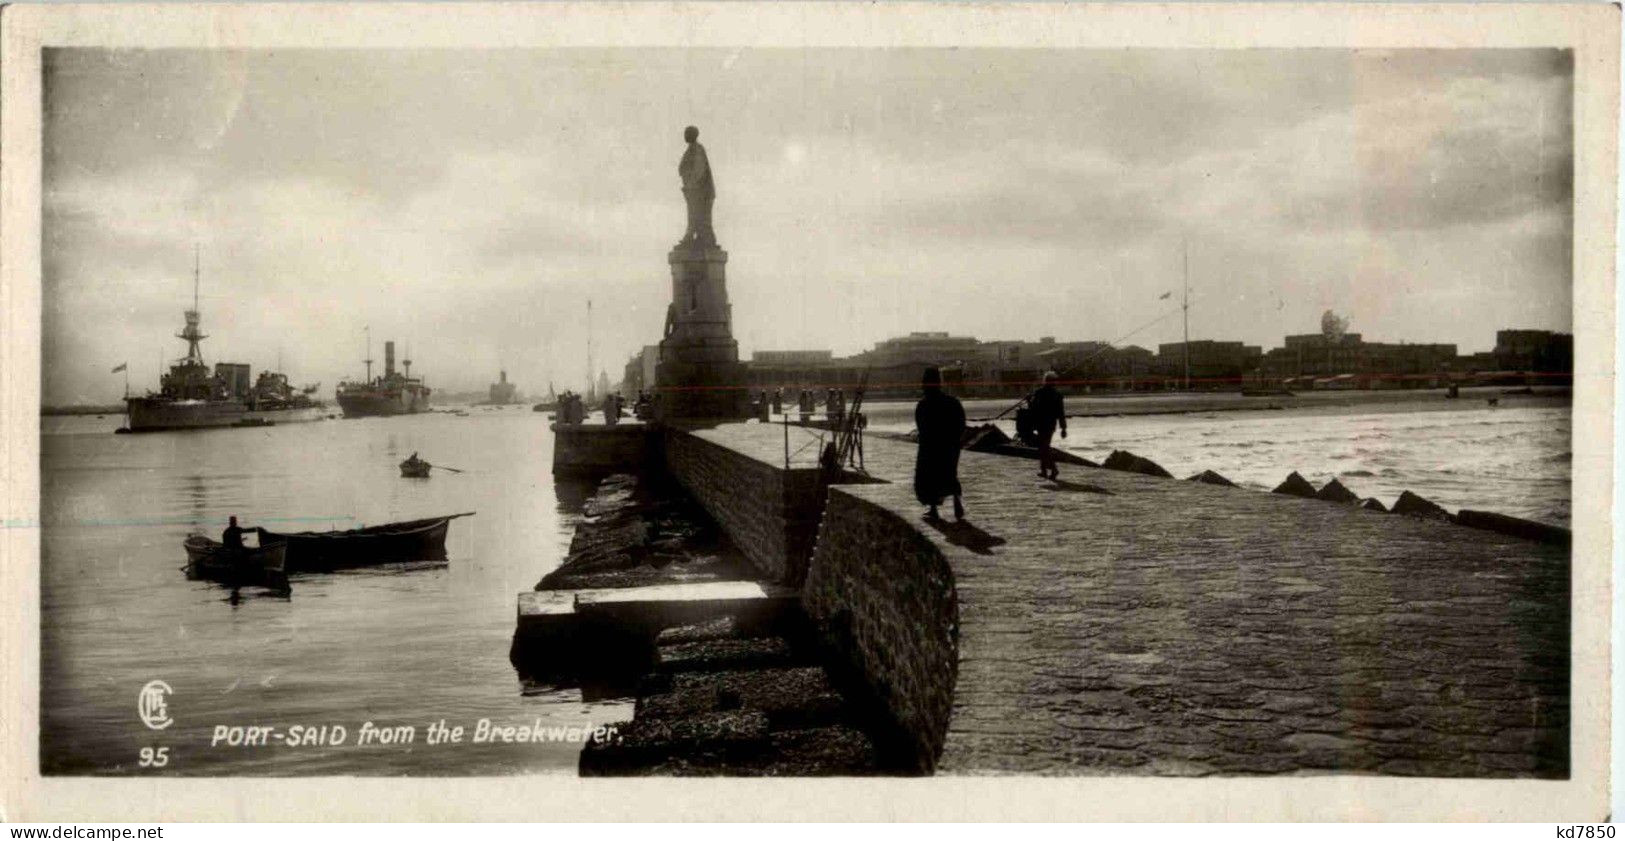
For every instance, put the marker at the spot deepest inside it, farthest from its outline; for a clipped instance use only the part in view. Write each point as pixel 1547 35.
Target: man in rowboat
pixel 232 537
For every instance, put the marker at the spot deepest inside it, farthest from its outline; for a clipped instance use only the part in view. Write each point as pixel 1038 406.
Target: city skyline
pixel 469 203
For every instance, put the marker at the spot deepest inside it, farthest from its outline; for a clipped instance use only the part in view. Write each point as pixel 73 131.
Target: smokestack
pixel 389 359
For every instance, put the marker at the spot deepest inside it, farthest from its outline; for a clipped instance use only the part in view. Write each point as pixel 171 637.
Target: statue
pixel 698 190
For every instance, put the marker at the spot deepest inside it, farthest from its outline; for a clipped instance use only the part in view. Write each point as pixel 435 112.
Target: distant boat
pixel 191 396
pixel 411 540
pixel 394 393
pixel 415 468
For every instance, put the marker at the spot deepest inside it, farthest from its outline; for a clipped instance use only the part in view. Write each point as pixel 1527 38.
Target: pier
pixel 1118 623
pixel 1115 621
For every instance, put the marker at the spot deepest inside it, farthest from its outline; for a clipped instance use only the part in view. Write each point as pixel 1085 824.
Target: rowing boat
pixel 412 540
pixel 265 564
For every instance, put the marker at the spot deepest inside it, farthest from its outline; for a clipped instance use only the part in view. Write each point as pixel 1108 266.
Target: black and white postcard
pixel 1071 405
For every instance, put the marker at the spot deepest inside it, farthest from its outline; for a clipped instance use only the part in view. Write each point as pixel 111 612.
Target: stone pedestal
pixel 699 375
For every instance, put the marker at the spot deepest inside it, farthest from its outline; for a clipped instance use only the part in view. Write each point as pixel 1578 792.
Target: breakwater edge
pixel 894 611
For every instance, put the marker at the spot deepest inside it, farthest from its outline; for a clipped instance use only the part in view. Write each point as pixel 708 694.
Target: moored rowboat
pixel 412 540
pixel 211 559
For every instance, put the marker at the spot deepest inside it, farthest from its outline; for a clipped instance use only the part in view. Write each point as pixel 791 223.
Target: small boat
pixel 265 564
pixel 412 540
pixel 415 469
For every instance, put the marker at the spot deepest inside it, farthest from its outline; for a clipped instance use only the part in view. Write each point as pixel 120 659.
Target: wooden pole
pixel 1185 251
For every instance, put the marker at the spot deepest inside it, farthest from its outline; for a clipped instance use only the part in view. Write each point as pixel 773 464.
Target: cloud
pixel 472 201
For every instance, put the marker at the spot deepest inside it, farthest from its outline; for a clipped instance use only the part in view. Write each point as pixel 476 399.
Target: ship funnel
pixel 389 359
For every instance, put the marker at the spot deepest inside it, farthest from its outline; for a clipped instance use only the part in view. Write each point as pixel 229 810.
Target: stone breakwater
pixel 638 530
pixel 884 600
pixel 1117 622
pixel 1408 504
pixel 744 692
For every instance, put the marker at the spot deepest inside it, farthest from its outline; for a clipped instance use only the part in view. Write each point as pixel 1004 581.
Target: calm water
pixel 1508 459
pixel 392 646
pixel 412 646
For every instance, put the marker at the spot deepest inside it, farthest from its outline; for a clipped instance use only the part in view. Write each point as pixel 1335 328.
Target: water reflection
pixel 404 643
pixel 573 493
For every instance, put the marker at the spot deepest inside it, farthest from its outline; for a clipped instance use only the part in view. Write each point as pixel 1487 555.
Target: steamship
pixel 394 393
pixel 191 396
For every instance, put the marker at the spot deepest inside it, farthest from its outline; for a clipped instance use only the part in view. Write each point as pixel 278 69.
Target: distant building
pixel 895 365
pixel 793 370
pixel 1541 351
pixel 925 348
pixel 792 358
pixel 1314 360
pixel 1003 368
pixel 639 374
pixel 1213 364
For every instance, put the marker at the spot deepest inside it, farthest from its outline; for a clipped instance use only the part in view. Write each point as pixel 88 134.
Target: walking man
pixel 940 421
pixel 1049 412
pixel 232 537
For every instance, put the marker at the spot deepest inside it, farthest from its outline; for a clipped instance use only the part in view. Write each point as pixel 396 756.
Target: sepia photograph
pixel 1079 411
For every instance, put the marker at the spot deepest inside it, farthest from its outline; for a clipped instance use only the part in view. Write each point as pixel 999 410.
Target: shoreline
pixel 983 410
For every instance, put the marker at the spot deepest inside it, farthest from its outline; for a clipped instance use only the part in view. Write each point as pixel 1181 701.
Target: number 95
pixel 154 757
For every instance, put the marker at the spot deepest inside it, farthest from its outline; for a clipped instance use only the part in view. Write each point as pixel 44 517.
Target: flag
pixel 1165 296
pixel 121 366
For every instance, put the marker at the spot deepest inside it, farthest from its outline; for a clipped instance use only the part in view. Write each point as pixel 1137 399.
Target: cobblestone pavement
pixel 1117 623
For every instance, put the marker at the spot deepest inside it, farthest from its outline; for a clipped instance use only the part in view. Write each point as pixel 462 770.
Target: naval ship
pixel 192 396
pixel 394 393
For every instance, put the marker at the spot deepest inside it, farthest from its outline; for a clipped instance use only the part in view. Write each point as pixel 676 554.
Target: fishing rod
pixel 1109 345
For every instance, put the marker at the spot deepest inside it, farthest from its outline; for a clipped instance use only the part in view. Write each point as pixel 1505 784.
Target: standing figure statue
pixel 698 190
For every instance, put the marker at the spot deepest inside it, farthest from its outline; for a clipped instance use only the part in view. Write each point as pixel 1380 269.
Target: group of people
pixel 806 403
pixel 571 408
pixel 939 419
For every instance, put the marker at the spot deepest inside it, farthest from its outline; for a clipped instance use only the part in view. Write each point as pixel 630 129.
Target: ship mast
pixel 191 332
pixel 368 331
pixel 590 381
pixel 1185 251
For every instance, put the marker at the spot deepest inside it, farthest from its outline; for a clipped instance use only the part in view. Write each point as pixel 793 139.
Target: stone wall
pixel 589 449
pixel 770 513
pixel 883 597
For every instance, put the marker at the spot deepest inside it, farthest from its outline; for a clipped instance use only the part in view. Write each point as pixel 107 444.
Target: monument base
pixel 701 390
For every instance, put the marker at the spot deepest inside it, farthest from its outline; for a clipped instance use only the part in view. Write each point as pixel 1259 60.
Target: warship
pixel 501 392
pixel 194 396
pixel 394 393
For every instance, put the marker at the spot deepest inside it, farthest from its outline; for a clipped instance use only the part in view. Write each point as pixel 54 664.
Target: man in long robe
pixel 699 191
pixel 940 421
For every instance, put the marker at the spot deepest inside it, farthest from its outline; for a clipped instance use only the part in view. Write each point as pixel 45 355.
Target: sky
pixel 468 204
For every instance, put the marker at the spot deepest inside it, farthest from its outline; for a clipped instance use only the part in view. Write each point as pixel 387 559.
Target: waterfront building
pixel 639 373
pixel 1541 351
pixel 1213 365
pixel 1314 360
pixel 999 368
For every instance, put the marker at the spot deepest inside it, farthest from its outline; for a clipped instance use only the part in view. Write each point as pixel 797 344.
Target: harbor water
pixel 1513 458
pixel 404 645
pixel 418 644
